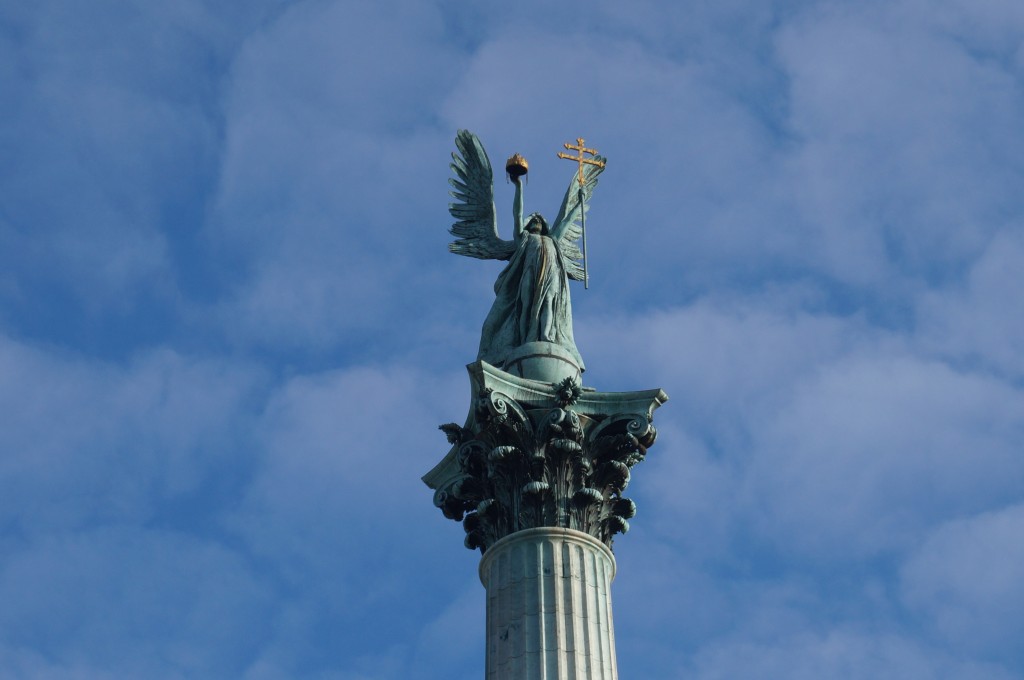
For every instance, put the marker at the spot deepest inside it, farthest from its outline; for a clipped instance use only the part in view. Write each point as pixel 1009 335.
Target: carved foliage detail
pixel 542 467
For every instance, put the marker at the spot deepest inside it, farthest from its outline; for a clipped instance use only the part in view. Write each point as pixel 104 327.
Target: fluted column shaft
pixel 549 608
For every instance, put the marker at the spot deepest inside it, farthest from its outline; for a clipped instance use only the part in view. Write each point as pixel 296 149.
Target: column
pixel 549 613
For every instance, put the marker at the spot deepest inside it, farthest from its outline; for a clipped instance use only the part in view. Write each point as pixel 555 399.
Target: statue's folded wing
pixel 568 227
pixel 476 224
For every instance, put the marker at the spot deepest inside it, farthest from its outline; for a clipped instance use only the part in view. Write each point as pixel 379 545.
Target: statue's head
pixel 536 224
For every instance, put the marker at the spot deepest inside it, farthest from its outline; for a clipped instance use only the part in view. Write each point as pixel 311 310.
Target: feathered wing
pixel 476 224
pixel 568 227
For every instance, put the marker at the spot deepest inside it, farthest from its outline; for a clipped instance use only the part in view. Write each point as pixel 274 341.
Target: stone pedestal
pixel 549 607
pixel 543 361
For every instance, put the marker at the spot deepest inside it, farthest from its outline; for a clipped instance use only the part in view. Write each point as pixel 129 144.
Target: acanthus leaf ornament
pixel 533 458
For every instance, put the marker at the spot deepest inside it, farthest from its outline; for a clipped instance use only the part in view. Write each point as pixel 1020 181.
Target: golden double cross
pixel 580 158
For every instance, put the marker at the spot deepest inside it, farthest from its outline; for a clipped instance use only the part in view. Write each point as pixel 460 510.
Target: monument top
pixel 537 472
pixel 537 448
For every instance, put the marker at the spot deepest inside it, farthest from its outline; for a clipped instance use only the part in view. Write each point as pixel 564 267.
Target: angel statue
pixel 529 328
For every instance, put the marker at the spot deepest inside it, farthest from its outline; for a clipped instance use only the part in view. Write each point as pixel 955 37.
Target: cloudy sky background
pixel 229 328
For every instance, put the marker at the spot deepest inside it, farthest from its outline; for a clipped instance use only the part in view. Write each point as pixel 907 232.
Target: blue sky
pixel 229 328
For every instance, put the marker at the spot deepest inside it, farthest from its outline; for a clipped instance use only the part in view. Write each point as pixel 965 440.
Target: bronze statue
pixel 532 310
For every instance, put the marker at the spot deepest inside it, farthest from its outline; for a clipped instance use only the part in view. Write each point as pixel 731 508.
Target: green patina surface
pixel 534 454
pixel 537 448
pixel 532 300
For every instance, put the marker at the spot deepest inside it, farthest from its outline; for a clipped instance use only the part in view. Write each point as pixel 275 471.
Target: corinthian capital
pixel 533 454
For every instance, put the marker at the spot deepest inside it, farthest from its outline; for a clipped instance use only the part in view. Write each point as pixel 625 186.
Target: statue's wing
pixel 476 225
pixel 568 228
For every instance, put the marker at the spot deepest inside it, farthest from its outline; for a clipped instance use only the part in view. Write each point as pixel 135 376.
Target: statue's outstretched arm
pixel 517 210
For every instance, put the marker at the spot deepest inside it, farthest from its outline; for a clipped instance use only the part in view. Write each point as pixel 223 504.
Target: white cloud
pixel 836 654
pixel 92 442
pixel 137 603
pixel 981 322
pixel 966 582
pixel 321 180
pixel 339 515
pixel 877 448
pixel 901 138
pixel 833 438
pixel 721 359
pixel 106 136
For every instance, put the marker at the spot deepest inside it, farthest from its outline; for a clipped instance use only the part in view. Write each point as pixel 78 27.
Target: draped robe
pixel 532 302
